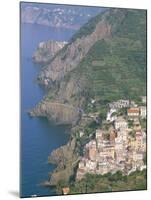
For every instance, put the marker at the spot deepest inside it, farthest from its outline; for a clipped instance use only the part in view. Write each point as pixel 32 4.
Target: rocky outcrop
pixel 65 159
pixel 56 112
pixel 63 153
pixel 72 54
pixel 46 50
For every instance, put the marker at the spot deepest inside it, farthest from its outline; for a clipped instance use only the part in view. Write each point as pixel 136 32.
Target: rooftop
pixel 133 110
pixel 66 190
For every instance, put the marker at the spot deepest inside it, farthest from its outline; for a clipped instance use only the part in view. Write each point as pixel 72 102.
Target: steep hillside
pixel 116 67
pixel 105 60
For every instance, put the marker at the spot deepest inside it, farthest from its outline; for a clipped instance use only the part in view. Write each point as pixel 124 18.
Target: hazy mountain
pixel 57 16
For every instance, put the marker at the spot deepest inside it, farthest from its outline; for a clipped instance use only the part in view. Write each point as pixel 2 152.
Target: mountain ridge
pixel 71 17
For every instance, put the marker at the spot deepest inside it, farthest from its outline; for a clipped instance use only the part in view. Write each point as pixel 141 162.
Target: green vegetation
pixel 122 112
pixel 115 17
pixel 60 185
pixel 108 182
pixel 123 72
pixel 138 101
pixel 89 133
pixel 130 123
pixel 88 28
pixel 103 112
pixel 143 123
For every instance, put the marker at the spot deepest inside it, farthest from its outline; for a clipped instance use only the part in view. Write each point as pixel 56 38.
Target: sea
pixel 38 137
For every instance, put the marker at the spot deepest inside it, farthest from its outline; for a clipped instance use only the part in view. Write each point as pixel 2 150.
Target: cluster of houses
pixel 121 150
pixel 120 104
pixel 137 111
pixel 133 110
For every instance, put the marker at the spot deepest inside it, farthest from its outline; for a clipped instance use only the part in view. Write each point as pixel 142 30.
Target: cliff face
pixel 73 91
pixel 105 59
pixel 70 57
pixel 46 51
pixel 57 112
pixel 65 159
pixel 65 61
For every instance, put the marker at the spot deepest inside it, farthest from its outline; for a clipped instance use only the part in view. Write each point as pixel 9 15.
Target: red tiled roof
pixel 65 190
pixel 133 110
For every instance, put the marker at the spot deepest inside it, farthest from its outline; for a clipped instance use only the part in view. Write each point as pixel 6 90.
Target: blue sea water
pixel 38 137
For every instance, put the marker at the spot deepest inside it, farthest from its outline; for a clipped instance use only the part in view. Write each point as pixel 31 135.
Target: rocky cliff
pixel 46 50
pixel 57 113
pixel 65 159
pixel 68 59
pixel 105 59
pixel 75 90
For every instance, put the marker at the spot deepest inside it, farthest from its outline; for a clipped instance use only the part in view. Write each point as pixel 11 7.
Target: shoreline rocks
pixel 65 159
pixel 58 113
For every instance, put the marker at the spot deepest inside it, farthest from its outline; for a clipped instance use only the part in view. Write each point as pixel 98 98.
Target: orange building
pixel 133 112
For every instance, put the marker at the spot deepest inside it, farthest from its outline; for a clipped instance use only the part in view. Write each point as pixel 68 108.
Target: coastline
pixel 100 143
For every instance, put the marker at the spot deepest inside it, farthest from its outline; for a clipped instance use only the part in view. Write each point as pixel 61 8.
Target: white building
pixel 119 104
pixel 137 156
pixel 91 165
pixel 120 123
pixel 143 111
pixel 81 133
pixel 110 117
pixel 123 135
pixel 82 164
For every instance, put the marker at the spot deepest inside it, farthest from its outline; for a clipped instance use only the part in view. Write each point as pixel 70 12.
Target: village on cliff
pixel 125 147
